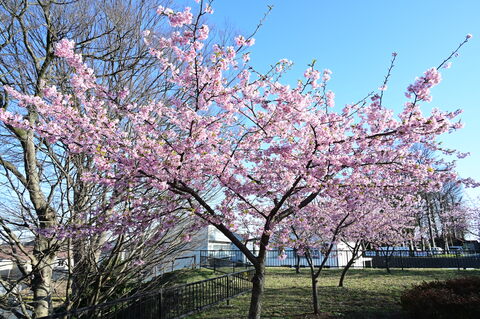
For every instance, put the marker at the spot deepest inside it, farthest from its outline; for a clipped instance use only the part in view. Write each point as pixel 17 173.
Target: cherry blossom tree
pixel 390 222
pixel 351 215
pixel 270 149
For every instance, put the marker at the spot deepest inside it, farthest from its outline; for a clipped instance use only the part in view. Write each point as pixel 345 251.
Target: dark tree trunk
pixel 314 276
pixel 257 292
pixel 344 271
pixel 297 262
pixel 316 306
pixel 258 280
pixel 387 264
pixel 350 262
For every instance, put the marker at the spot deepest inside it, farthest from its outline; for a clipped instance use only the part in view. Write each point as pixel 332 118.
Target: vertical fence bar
pixel 458 261
pixel 227 294
pixel 160 308
pixel 401 259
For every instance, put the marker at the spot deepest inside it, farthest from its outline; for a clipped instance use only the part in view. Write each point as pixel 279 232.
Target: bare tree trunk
pixel 445 239
pixel 41 283
pixel 258 288
pixel 81 269
pixel 387 260
pixel 429 219
pixel 349 264
pixel 43 250
pixel 314 277
pixel 297 262
pixel 257 292
pixel 316 306
pixel 344 272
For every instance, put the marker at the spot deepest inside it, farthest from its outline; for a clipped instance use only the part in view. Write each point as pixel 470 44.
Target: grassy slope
pixel 183 276
pixel 368 293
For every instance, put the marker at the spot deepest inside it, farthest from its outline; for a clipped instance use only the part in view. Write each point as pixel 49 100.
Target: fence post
pixel 228 290
pixel 458 261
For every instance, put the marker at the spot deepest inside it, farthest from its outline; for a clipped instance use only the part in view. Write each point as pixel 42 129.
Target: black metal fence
pixel 392 258
pixel 224 261
pixel 171 303
pixel 183 300
pixel 276 258
pixel 460 259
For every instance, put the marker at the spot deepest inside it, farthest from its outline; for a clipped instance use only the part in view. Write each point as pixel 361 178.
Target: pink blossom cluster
pixel 330 99
pixel 177 19
pixel 421 87
pixel 273 151
pixel 326 75
pixel 241 41
pixel 203 32
pixel 84 77
pixel 208 9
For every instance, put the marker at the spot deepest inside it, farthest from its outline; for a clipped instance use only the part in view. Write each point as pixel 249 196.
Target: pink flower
pixel 64 48
pixel 330 96
pixel 123 93
pixel 177 19
pixel 285 61
pixel 312 74
pixel 203 32
pixel 422 85
pixel 469 36
pixel 250 42
pixel 326 75
pixel 208 9
pixel 240 40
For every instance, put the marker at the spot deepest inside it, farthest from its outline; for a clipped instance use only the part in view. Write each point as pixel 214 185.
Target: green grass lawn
pixel 368 293
pixel 187 275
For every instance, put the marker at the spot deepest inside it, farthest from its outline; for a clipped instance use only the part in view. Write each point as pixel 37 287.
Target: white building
pixel 207 239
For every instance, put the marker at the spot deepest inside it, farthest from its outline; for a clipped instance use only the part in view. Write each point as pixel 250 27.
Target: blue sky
pixel 355 39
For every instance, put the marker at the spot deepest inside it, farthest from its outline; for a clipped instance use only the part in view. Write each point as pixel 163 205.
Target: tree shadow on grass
pixel 424 274
pixel 368 294
pixel 295 303
pixel 335 302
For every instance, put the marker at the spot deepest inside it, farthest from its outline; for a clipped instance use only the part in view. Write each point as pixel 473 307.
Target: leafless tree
pixel 41 184
pixel 438 216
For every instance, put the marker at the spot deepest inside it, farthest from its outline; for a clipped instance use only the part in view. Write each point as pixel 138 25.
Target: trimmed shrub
pixel 454 298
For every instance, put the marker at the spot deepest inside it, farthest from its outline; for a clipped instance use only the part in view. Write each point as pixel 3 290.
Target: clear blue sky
pixel 355 39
